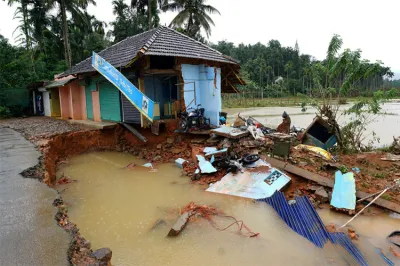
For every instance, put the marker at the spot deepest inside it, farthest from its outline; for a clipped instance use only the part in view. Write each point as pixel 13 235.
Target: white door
pixel 46 103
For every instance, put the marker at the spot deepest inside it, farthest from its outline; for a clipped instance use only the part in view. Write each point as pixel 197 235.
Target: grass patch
pixel 386 197
pixel 384 149
pixel 380 175
pixel 343 169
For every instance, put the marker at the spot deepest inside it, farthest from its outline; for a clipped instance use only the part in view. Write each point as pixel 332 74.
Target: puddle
pixel 116 207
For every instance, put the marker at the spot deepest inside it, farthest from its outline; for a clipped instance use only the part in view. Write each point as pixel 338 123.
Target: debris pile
pixel 193 211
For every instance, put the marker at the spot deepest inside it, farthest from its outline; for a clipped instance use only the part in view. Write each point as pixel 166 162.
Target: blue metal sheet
pixel 386 259
pixel 302 218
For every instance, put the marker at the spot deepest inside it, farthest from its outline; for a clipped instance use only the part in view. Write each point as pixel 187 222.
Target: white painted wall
pixel 46 103
pixel 207 94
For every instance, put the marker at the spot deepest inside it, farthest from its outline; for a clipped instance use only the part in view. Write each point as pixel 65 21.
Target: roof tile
pixel 161 41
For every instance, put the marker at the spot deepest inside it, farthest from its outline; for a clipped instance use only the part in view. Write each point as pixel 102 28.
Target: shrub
pixel 4 112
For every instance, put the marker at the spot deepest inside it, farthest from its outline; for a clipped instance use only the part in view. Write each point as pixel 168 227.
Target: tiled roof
pixel 161 41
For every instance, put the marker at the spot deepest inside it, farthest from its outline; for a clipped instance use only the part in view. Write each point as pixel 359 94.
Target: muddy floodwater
pixel 386 125
pixel 116 207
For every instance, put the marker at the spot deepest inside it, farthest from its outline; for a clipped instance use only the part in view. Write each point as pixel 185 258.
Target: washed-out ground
pixel 70 141
pixel 132 210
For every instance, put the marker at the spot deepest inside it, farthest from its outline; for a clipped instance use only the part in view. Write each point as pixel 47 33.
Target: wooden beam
pixel 226 77
pixel 326 182
pixel 234 88
pixel 143 119
pixel 162 71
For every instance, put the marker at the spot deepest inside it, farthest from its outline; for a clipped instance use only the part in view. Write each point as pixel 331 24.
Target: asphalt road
pixel 29 234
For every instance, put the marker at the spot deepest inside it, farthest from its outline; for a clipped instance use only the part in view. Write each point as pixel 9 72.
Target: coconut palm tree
pixel 142 6
pixel 74 7
pixel 192 13
pixel 22 14
pixel 119 8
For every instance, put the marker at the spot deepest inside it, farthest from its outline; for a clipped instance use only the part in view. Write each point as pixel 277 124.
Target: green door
pixel 110 104
pixel 89 102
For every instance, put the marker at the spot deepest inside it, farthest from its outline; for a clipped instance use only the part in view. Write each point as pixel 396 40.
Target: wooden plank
pixel 324 181
pixel 162 71
pixel 135 132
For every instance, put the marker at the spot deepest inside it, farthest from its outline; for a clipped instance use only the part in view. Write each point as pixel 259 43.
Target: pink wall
pixel 96 106
pixel 65 100
pixel 76 102
pixel 83 102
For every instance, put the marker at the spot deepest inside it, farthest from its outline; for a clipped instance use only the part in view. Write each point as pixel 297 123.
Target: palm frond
pixel 333 48
pixel 172 7
pixel 210 9
pixel 180 19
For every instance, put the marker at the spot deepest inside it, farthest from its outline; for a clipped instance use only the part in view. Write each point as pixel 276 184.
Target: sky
pixel 369 25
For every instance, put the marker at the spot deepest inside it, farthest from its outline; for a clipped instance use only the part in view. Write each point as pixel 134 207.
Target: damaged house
pixel 171 69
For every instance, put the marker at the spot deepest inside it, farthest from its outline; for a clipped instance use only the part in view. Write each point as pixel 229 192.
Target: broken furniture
pixel 230 132
pixel 282 144
pixel 318 134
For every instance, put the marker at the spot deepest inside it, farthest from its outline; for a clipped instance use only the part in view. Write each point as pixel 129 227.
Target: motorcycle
pixel 193 119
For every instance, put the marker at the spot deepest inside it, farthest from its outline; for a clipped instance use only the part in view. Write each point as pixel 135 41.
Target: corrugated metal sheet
pixel 89 103
pixel 130 114
pixel 302 218
pixel 110 105
pixel 386 259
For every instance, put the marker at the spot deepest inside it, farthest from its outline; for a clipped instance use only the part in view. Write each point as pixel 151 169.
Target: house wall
pixel 89 101
pixel 83 102
pixel 96 106
pixel 110 102
pixel 207 86
pixel 46 103
pixel 65 102
pixel 76 102
pixel 55 102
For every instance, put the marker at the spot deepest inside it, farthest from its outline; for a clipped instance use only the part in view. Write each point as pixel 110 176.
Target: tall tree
pixel 193 15
pixel 22 13
pixel 149 8
pixel 74 7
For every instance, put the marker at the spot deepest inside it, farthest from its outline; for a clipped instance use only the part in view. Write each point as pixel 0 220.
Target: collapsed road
pixel 28 233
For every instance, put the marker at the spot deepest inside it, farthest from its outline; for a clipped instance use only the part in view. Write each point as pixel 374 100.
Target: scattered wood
pixel 180 223
pixel 391 158
pixel 397 254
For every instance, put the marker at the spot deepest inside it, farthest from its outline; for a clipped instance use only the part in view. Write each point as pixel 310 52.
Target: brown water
pixel 116 207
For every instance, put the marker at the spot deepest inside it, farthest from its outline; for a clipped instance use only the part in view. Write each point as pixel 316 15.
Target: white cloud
pixel 365 24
